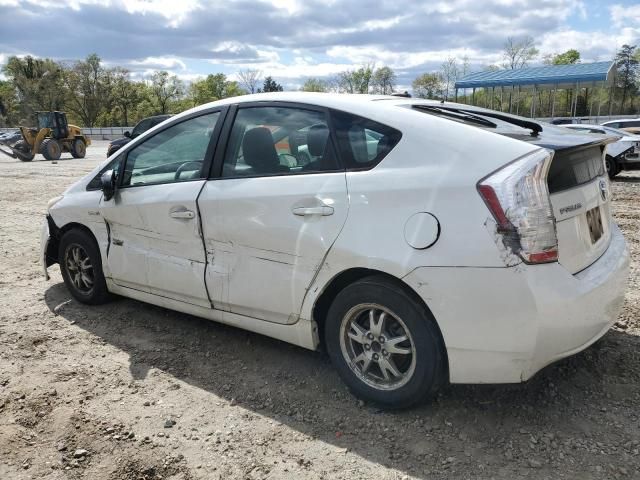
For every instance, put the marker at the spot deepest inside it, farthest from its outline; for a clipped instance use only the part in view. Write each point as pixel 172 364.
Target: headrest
pixel 317 140
pixel 259 151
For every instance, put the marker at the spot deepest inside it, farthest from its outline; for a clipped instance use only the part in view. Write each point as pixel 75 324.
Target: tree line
pixel 94 95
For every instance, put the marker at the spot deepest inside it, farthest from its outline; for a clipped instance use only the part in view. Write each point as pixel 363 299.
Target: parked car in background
pixel 141 127
pixel 621 155
pixel 468 246
pixel 629 125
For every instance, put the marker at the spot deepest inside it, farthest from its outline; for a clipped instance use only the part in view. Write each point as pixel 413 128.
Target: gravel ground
pixel 131 391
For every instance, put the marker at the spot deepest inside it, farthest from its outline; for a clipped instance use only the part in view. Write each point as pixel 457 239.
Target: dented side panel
pixel 262 256
pixel 150 249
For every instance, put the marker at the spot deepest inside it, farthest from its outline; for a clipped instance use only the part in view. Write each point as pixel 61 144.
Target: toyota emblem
pixel 603 190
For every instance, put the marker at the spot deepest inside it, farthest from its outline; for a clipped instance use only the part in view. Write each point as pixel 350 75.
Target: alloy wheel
pixel 377 346
pixel 79 268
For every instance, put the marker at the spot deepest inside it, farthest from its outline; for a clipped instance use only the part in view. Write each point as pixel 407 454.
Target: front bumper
pixel 502 325
pixel 45 239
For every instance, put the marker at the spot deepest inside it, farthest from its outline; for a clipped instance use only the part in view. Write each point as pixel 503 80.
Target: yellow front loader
pixel 52 137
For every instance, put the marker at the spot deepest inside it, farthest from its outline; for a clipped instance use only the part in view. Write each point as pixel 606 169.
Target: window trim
pixel 215 172
pixel 209 154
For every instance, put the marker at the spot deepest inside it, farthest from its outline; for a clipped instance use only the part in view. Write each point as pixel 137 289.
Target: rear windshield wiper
pixel 456 114
pixel 535 128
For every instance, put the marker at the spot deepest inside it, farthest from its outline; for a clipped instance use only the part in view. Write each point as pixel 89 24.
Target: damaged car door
pixel 155 242
pixel 271 213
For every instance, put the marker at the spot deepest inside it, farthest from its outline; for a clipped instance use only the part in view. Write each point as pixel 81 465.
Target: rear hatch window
pixel 573 167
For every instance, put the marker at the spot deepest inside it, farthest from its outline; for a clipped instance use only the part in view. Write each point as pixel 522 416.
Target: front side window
pixel 363 143
pixel 278 141
pixel 175 154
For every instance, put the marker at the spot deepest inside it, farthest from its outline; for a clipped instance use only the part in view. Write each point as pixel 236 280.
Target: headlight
pixel 53 201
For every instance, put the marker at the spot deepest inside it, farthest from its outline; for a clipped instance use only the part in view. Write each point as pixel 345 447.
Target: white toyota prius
pixel 419 242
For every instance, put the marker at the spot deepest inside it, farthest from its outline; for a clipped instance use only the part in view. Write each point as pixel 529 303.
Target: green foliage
pixel 383 80
pixel 165 88
pixel 38 84
pixel 9 106
pixel 567 58
pixel 627 66
pixel 428 85
pixel 213 87
pixel 356 81
pixel 314 85
pixel 89 87
pixel 270 85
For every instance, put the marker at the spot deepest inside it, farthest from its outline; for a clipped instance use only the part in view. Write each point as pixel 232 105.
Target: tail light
pixel 518 198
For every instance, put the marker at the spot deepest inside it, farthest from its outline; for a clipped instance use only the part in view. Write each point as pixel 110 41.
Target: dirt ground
pixel 130 391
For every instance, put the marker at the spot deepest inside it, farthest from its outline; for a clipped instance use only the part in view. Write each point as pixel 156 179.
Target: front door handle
pixel 182 214
pixel 323 210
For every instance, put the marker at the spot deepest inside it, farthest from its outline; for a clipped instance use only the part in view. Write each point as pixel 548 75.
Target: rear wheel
pixel 51 149
pixel 612 166
pixel 23 151
pixel 78 148
pixel 81 267
pixel 384 343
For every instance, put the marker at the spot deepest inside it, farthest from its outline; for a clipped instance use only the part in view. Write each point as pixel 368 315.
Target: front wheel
pixel 81 267
pixel 384 343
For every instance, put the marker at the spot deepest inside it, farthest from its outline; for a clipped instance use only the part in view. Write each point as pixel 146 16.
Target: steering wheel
pixel 183 167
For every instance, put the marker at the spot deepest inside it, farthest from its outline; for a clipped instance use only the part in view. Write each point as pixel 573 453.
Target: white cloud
pixel 160 63
pixel 400 60
pixel 623 16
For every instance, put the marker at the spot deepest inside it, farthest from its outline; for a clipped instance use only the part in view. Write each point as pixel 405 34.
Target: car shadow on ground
pixel 300 389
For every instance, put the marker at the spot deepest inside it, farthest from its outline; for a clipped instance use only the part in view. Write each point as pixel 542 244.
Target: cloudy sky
pixel 295 39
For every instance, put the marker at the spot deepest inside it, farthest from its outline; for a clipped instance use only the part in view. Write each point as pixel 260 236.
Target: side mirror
pixel 127 134
pixel 108 184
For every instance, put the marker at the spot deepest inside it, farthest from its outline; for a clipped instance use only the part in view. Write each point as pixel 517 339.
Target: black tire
pixel 23 151
pixel 78 148
pixel 51 149
pixel 97 293
pixel 426 374
pixel 612 166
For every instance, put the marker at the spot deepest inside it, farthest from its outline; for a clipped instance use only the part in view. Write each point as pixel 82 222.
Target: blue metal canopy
pixel 549 74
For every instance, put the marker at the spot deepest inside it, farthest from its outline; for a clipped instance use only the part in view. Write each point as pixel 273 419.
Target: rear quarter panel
pixel 434 168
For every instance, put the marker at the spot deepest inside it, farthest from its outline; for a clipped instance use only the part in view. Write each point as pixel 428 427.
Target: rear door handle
pixel 323 210
pixel 182 214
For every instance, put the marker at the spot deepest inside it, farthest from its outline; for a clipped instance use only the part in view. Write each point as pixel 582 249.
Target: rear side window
pixel 363 143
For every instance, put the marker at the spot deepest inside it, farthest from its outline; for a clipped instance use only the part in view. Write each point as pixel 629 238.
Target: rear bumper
pixel 502 325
